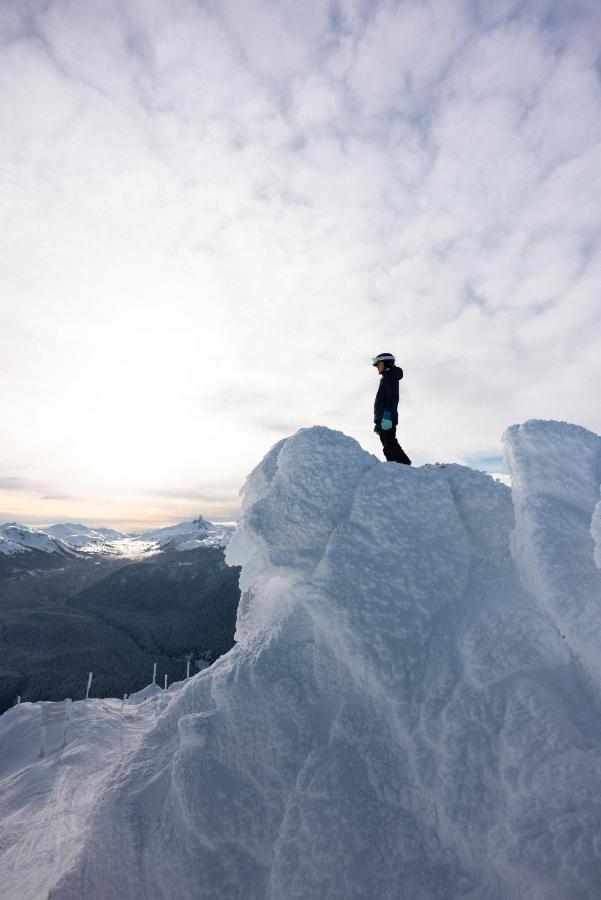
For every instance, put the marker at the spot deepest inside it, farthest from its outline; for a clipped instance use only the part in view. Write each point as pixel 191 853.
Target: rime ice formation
pixel 557 472
pixel 596 533
pixel 412 709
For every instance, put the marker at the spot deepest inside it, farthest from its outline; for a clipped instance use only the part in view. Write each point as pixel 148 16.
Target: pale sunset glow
pixel 214 215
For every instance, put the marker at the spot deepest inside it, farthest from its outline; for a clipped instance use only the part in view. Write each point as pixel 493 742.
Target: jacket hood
pixel 394 372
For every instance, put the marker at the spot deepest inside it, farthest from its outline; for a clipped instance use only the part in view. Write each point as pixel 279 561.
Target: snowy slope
pixel 11 548
pixel 40 839
pixel 411 711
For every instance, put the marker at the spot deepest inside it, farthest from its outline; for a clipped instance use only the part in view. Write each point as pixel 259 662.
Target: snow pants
pixel 392 449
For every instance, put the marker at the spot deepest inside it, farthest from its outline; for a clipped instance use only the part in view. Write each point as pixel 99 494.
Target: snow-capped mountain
pixel 411 709
pixel 15 538
pixel 79 535
pixel 71 539
pixel 188 535
pixel 97 541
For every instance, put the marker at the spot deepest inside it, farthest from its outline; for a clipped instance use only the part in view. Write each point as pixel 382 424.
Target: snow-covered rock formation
pixel 412 710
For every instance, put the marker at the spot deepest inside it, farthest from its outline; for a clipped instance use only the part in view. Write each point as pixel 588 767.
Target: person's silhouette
pixel 386 415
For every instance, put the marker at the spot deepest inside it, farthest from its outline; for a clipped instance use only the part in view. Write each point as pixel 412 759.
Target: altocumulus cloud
pixel 215 213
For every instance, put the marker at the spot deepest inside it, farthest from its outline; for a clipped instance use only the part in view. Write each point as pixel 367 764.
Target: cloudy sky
pixel 214 213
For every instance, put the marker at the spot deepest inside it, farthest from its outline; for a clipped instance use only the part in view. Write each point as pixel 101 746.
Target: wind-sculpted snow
pixel 411 710
pixel 596 532
pixel 556 471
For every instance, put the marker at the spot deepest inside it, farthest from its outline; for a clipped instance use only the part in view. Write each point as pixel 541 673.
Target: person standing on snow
pixel 385 408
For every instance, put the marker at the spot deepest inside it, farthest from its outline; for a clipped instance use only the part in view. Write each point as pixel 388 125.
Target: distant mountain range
pixel 74 539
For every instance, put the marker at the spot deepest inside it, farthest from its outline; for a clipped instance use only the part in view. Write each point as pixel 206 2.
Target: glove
pixel 386 422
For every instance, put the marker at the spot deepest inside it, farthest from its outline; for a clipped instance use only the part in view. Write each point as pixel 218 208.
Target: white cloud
pixel 214 214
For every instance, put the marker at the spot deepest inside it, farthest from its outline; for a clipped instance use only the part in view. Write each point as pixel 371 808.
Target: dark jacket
pixel 387 398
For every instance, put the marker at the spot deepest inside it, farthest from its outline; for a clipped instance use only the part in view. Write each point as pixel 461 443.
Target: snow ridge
pixel 411 710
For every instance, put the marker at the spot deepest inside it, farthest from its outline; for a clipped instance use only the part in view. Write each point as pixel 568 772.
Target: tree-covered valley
pixel 62 618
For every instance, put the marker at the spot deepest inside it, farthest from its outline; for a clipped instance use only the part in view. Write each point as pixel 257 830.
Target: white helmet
pixel 383 357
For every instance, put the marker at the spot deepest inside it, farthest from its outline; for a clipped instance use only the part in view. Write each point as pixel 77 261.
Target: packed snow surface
pixel 412 710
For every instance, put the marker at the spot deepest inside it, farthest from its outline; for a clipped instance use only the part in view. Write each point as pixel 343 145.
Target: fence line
pixel 19 698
